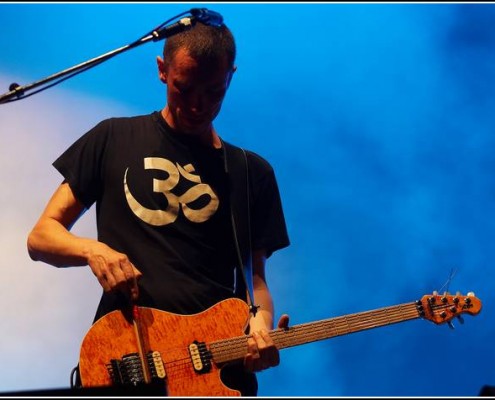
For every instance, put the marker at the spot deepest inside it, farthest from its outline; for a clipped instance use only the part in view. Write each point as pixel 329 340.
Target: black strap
pixel 236 167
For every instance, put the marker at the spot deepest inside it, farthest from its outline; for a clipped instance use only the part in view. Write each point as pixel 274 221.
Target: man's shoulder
pixel 254 159
pixel 128 119
pixel 123 123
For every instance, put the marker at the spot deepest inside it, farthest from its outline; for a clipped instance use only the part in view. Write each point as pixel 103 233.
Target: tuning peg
pixel 461 320
pixel 451 325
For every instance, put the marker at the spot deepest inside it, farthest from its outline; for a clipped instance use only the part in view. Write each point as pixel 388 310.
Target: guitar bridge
pixel 126 371
pixel 200 357
pixel 129 371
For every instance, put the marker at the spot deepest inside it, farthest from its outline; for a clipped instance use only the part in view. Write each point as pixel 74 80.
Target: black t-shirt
pixel 162 198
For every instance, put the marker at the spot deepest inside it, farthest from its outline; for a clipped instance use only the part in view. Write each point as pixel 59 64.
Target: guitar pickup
pixel 200 357
pixel 155 364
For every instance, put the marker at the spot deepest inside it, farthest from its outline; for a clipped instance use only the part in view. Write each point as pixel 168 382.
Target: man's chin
pixel 194 129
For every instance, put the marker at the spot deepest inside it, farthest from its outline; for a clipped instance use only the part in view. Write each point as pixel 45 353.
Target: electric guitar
pixel 187 352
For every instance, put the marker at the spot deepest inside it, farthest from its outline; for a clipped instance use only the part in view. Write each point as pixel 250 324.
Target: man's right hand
pixel 114 270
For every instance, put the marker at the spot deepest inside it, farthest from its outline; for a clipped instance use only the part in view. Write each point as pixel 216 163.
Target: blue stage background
pixel 379 121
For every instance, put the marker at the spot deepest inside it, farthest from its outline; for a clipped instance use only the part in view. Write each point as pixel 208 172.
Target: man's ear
pixel 161 69
pixel 234 68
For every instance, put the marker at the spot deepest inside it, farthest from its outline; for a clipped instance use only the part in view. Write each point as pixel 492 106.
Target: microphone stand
pixel 15 90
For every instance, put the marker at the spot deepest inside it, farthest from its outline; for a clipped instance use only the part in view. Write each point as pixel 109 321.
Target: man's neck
pixel 208 138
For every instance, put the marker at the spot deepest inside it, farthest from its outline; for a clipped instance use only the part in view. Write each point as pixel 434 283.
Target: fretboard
pixel 236 348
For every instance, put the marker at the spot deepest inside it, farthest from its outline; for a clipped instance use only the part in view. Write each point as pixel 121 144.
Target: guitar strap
pixel 236 168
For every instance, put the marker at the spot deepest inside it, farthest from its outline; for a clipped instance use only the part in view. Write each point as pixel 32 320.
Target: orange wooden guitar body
pixel 113 336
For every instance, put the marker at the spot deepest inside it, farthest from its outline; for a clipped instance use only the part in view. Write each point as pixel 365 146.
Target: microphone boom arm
pixel 17 92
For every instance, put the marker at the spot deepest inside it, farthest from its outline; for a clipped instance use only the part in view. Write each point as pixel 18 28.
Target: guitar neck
pixel 235 348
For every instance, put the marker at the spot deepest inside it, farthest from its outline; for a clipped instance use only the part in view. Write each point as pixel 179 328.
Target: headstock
pixel 440 308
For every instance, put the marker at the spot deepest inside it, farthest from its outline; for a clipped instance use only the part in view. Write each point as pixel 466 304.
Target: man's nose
pixel 196 102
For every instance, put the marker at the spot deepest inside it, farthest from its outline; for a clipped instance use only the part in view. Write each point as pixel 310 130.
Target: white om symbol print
pixel 175 203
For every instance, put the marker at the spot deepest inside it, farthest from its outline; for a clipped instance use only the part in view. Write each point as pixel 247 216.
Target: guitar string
pixel 176 369
pixel 348 318
pixel 320 330
pixel 235 348
pixel 222 350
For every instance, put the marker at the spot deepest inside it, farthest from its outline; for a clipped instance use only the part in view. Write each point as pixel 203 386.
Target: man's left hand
pixel 262 352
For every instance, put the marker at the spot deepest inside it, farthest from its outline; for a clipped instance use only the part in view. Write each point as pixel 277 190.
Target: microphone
pixel 203 15
pixel 169 30
pixel 207 17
